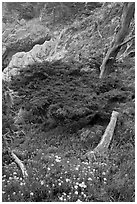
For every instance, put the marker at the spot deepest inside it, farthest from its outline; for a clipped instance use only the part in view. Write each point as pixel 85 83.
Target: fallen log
pixel 102 147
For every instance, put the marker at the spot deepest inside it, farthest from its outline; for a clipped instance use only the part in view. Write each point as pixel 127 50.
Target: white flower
pixel 57 160
pixel 21 183
pixel 14 172
pixel 42 182
pixel 89 179
pixel 103 173
pixel 61 198
pixel 82 185
pixel 77 167
pixel 78 200
pixel 57 157
pixel 76 192
pixel 84 195
pixel 67 180
pixel 31 193
pixel 75 187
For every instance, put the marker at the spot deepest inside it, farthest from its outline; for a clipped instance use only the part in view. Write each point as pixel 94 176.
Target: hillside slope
pixel 65 111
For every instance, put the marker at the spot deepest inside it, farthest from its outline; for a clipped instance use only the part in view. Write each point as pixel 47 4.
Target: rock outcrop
pixel 39 54
pixel 22 38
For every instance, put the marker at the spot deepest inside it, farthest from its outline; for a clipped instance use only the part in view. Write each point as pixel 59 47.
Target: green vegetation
pixel 67 110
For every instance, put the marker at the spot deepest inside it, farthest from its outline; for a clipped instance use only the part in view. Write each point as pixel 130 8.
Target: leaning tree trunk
pixel 128 13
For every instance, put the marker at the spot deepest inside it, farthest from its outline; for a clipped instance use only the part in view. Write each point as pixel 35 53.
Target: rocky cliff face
pixel 22 38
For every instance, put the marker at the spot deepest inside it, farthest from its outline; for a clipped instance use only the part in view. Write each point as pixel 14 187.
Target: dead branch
pixel 102 147
pixel 128 40
pixel 20 164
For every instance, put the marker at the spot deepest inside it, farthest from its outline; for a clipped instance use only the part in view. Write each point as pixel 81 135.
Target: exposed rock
pixel 39 54
pixel 23 38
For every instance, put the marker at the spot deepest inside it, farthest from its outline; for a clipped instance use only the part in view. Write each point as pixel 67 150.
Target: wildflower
pixel 76 192
pixel 67 180
pixel 57 157
pixel 78 200
pixel 15 172
pixel 103 173
pixel 89 179
pixel 31 193
pixel 105 179
pixel 42 182
pixel 22 183
pixel 57 160
pixel 84 195
pixel 77 167
pixel 59 184
pixel 75 186
pixel 61 198
pixel 82 185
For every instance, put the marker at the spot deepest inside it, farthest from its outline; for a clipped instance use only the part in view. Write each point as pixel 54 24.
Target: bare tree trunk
pixel 106 138
pixel 102 147
pixel 128 13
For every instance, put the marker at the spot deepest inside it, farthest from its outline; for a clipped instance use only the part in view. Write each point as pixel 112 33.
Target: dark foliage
pixel 66 113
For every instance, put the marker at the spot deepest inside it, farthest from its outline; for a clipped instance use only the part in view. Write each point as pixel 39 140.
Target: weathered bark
pixel 128 13
pixel 102 147
pixel 20 164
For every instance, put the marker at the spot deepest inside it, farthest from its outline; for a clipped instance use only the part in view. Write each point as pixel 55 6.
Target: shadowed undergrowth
pixel 67 111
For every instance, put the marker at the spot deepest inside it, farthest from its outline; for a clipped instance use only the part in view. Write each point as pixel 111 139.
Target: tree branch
pixel 20 164
pixel 128 40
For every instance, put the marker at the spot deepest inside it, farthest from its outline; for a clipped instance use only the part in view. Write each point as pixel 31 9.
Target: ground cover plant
pixel 65 108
